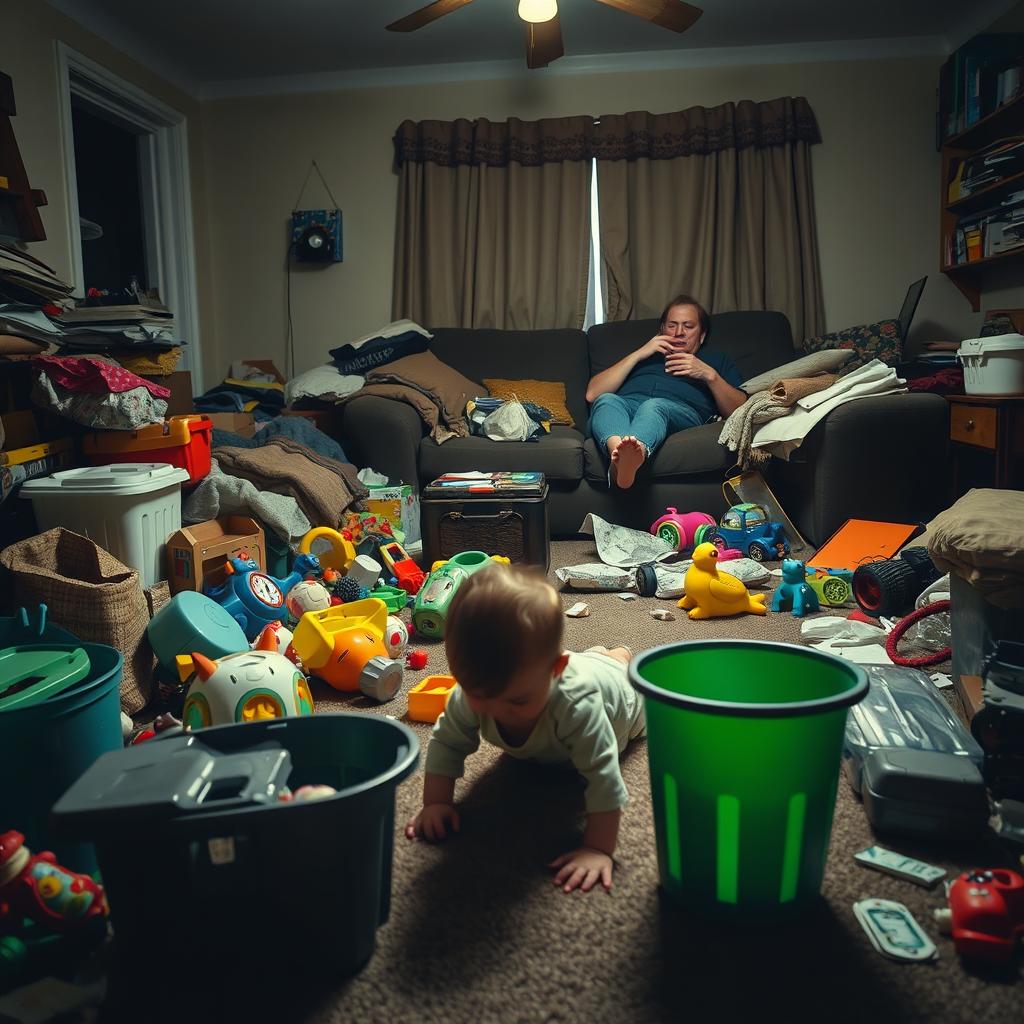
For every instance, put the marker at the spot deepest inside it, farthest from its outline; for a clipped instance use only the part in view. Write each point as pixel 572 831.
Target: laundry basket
pixel 203 861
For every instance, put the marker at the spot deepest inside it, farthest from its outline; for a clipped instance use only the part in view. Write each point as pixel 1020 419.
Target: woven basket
pixel 91 594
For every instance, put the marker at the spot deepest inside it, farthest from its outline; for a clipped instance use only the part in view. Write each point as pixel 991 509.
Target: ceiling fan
pixel 543 29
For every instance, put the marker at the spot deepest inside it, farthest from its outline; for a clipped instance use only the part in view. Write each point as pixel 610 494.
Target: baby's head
pixel 503 638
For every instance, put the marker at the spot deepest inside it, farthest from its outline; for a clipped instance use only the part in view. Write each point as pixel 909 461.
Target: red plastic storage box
pixel 182 441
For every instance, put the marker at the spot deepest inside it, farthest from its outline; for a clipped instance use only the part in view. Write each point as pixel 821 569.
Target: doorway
pixel 128 194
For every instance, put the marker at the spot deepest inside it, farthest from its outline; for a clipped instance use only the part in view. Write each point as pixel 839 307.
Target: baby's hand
pixel 431 823
pixel 582 868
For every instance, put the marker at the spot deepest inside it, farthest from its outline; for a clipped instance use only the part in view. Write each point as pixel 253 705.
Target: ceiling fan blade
pixel 543 42
pixel 425 15
pixel 670 14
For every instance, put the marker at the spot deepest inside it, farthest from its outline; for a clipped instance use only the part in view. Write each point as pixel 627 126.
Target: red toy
pixel 986 913
pixel 416 660
pixel 37 887
pixel 408 575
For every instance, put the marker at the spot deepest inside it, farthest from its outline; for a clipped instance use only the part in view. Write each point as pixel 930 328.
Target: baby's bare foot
pixel 628 457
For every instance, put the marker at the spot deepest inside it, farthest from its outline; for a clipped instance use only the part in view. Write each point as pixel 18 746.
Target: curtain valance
pixel 697 130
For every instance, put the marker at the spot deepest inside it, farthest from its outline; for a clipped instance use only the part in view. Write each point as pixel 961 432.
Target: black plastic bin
pixel 224 869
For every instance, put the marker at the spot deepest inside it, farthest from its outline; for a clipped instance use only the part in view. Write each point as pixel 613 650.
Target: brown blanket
pixel 444 386
pixel 323 488
pixel 427 409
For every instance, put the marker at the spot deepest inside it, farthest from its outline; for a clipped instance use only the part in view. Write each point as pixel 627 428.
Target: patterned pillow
pixel 548 393
pixel 869 341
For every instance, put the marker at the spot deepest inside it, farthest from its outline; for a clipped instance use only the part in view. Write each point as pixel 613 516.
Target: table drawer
pixel 973 424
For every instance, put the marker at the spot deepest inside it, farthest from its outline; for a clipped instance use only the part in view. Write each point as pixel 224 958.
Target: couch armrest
pixel 384 435
pixel 882 458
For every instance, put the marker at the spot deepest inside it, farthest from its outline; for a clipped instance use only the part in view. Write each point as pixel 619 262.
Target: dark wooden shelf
pixel 979 200
pixel 975 266
pixel 1003 121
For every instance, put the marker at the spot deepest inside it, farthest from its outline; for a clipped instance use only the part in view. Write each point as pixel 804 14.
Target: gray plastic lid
pixel 117 479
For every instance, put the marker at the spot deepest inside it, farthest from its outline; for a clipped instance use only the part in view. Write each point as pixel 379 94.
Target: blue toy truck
pixel 748 528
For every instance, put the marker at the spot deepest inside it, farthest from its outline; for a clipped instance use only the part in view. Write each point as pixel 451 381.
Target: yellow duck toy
pixel 711 594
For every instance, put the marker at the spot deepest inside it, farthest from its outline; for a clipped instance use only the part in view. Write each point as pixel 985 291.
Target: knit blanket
pixel 739 429
pixel 323 488
pixel 221 495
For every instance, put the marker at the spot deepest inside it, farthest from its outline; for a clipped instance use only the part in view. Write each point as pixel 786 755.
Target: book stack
pixel 1003 159
pixel 462 485
pixel 148 323
pixel 981 75
pixel 28 281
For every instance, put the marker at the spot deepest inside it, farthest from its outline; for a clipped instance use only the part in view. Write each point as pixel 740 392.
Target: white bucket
pixel 129 509
pixel 993 366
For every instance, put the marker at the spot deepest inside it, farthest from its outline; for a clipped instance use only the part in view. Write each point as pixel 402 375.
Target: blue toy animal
pixel 794 591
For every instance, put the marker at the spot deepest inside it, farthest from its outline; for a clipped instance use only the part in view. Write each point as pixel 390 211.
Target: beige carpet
pixel 478 934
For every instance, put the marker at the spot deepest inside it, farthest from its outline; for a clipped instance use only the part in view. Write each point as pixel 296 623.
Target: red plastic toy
pixel 37 887
pixel 416 660
pixel 985 914
pixel 408 575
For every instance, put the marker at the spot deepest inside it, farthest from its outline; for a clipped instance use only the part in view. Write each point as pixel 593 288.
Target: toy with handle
pixel 681 529
pixel 985 915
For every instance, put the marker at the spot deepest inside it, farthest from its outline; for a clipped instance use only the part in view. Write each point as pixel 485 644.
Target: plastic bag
pixel 932 633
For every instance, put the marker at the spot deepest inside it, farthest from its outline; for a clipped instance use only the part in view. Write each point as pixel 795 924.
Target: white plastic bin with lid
pixel 993 366
pixel 129 509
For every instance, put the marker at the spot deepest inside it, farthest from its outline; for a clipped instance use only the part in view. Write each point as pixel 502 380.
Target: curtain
pixel 493 223
pixel 717 203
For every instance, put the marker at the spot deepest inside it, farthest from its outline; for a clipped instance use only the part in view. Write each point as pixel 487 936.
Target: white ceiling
pixel 222 47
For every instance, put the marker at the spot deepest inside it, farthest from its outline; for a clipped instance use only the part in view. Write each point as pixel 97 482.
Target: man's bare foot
pixel 627 459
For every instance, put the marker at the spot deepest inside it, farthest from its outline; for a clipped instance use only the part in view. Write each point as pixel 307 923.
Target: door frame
pixel 165 187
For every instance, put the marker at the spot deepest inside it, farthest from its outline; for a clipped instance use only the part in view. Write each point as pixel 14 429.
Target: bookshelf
pixel 1002 123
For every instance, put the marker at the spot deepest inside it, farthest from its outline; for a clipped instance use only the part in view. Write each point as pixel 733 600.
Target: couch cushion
pixel 545 355
pixel 685 453
pixel 755 341
pixel 558 455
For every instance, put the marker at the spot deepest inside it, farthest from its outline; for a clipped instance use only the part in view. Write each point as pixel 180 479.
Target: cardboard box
pixel 179 384
pixel 197 555
pixel 399 505
pixel 237 422
pixel 264 366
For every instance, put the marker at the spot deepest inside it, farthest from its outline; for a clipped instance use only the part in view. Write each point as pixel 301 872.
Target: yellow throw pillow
pixel 548 393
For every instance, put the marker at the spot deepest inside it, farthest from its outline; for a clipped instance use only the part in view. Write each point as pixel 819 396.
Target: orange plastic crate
pixel 182 441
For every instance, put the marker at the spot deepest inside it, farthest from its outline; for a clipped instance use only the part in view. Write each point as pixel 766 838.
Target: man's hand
pixel 685 364
pixel 582 868
pixel 660 344
pixel 433 822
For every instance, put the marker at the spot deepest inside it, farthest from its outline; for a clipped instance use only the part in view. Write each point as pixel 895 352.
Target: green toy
pixel 394 598
pixel 30 674
pixel 435 596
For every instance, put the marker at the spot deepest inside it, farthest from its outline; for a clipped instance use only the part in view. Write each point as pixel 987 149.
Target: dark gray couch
pixel 874 458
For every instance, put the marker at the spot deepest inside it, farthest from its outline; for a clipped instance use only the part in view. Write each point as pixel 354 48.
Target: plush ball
pixel 396 636
pixel 307 596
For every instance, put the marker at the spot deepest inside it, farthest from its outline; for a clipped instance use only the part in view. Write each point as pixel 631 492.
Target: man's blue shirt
pixel 648 379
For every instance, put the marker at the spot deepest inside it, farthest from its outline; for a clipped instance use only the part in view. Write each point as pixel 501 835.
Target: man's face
pixel 683 325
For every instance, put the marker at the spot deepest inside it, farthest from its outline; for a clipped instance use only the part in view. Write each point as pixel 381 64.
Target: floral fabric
pixel 869 341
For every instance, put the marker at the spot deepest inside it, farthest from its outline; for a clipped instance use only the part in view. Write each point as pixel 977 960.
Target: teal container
pixel 744 745
pixel 44 748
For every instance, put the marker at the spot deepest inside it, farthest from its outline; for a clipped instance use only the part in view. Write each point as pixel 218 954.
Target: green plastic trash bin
pixel 744 745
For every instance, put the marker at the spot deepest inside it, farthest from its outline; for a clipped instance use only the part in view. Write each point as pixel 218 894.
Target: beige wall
pixel 29 31
pixel 875 174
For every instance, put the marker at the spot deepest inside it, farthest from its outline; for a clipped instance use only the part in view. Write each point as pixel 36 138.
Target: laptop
pixel 910 306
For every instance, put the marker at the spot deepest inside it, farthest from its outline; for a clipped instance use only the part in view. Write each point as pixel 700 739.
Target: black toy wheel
pixel 757 552
pixel 886 588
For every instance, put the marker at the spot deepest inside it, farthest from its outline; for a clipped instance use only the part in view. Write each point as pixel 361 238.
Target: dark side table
pixel 987 441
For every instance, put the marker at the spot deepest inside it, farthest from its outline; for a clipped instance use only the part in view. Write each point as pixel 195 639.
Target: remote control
pixel 907 868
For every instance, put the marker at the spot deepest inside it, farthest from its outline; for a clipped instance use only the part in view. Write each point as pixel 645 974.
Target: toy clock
pixel 254 599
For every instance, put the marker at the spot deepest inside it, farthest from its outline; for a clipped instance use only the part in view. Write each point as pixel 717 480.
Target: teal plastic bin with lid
pixel 50 733
pixel 744 744
pixel 201 860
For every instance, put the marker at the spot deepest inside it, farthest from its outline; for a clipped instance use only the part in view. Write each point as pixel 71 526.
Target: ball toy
pixel 396 636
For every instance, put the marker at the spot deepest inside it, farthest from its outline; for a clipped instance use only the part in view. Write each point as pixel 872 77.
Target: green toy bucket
pixel 744 745
pixel 45 747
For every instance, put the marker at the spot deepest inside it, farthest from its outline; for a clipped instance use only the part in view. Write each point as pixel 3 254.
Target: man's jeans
pixel 649 419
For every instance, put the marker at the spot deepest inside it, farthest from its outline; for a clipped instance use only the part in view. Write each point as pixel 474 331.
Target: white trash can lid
pixel 997 343
pixel 121 478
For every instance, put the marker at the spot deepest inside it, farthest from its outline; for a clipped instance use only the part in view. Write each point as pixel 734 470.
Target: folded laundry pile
pixel 247 388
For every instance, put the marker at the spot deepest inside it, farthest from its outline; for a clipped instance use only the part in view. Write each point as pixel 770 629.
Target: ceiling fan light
pixel 537 11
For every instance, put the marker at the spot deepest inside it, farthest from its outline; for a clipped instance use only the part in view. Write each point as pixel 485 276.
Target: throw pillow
pixel 396 340
pixel 448 388
pixel 324 382
pixel 547 393
pixel 826 361
pixel 868 341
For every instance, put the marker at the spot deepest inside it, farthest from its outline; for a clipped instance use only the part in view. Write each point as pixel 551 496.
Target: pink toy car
pixel 682 530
